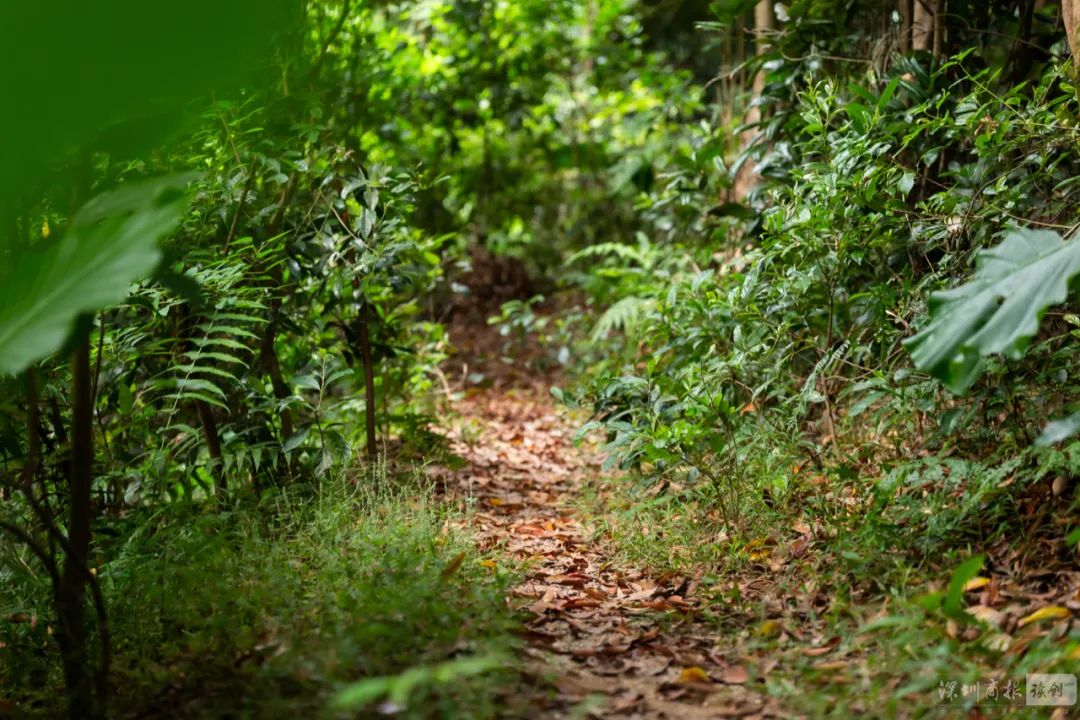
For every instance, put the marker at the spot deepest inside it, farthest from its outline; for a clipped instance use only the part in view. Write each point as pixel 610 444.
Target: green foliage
pixel 998 311
pixel 112 242
pixel 399 689
pixel 271 610
pixel 952 603
pixel 117 79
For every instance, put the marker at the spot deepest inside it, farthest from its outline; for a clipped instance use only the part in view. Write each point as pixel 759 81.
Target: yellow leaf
pixel 1050 612
pixel 693 674
pixel 770 629
pixel 453 565
pixel 495 502
pixel 489 563
pixel 976 583
pixel 45 231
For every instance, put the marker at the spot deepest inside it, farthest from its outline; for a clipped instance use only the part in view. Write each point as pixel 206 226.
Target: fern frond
pixel 620 250
pixel 623 315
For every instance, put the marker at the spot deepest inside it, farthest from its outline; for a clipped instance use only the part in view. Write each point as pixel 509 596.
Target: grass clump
pixel 269 611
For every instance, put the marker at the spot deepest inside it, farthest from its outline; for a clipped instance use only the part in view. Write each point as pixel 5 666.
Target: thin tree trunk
pixel 905 26
pixel 369 381
pixel 1070 14
pixel 922 25
pixel 764 24
pixel 213 445
pixel 939 28
pixel 277 381
pixel 71 594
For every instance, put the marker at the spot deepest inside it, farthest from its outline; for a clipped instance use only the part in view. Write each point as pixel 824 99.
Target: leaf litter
pixel 604 639
pixel 598 635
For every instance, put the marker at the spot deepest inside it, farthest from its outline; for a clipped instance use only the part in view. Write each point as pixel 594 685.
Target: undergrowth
pixel 292 600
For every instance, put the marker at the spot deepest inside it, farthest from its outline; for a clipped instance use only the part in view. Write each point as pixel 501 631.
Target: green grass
pixel 867 583
pixel 270 611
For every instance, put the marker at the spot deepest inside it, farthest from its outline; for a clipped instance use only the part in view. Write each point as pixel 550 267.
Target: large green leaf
pixel 998 311
pixel 118 76
pixel 111 242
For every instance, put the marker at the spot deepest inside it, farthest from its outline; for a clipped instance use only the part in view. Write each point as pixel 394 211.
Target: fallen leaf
pixel 988 615
pixel 822 649
pixel 693 674
pixel 1050 612
pixel 453 565
pixel 770 629
pixel 976 583
pixel 831 665
pixel 798 546
pixel 735 675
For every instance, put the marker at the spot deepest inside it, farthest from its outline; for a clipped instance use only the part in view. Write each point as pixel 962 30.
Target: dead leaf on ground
pixel 735 675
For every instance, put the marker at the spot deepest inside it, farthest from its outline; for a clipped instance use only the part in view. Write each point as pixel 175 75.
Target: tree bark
pixel 922 24
pixel 905 26
pixel 71 593
pixel 1070 15
pixel 273 369
pixel 939 28
pixel 213 445
pixel 764 24
pixel 369 381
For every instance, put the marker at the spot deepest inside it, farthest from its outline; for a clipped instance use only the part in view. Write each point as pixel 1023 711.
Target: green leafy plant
pixel 112 242
pixel 998 310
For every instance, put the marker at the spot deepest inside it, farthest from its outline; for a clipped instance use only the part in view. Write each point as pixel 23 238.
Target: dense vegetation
pixel 806 272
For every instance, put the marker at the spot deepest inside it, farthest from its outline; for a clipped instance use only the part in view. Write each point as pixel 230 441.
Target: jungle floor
pixel 792 633
pixel 601 638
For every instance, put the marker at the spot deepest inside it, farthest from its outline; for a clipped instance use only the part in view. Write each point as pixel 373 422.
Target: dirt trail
pixel 625 643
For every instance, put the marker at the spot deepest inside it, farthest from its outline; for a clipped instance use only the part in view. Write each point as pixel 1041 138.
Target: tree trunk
pixel 1070 14
pixel 764 24
pixel 213 445
pixel 71 593
pixel 939 28
pixel 922 25
pixel 905 26
pixel 369 381
pixel 277 381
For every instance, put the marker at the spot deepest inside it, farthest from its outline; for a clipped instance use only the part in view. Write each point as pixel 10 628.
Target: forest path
pixel 602 640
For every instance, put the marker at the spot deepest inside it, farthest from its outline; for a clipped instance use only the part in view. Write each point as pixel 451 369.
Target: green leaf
pixel 953 603
pixel 111 243
pixel 294 442
pixel 401 687
pixel 1058 430
pixel 998 310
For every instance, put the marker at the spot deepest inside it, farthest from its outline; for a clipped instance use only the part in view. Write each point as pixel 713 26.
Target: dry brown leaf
pixel 831 665
pixel 822 649
pixel 735 675
pixel 990 616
